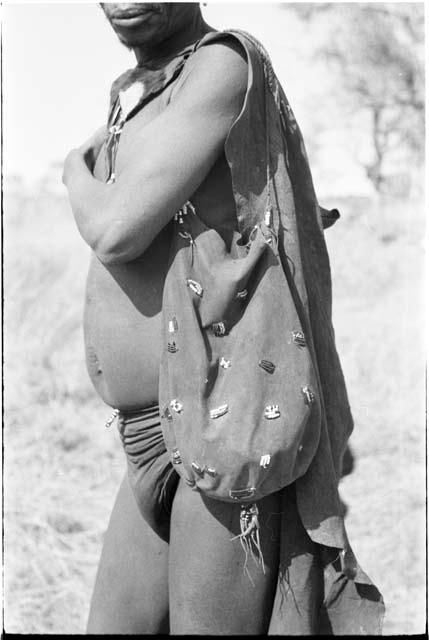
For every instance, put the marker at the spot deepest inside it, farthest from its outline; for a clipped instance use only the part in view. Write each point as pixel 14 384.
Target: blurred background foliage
pixel 375 53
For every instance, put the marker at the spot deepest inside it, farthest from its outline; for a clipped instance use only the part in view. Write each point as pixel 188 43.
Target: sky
pixel 59 63
pixel 59 60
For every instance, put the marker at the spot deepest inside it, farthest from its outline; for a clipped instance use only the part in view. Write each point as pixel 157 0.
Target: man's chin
pixel 132 38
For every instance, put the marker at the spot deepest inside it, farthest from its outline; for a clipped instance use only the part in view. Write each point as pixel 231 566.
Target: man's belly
pixel 122 327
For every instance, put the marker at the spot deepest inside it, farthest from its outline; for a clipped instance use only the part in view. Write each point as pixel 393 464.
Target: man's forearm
pixel 117 229
pixel 91 202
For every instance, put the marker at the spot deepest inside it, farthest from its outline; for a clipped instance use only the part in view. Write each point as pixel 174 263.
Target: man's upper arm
pixel 173 154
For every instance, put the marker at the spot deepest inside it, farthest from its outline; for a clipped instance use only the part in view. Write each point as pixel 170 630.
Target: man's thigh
pixel 131 589
pixel 210 592
pixel 300 588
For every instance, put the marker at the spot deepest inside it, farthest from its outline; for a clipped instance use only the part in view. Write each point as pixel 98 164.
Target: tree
pixel 376 51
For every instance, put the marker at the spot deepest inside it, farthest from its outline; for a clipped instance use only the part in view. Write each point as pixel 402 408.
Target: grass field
pixel 62 467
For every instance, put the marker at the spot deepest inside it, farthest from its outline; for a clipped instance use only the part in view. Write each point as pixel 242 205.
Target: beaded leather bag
pixel 239 407
pixel 238 389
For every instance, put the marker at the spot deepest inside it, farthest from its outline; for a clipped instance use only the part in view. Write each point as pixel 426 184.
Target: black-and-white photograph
pixel 213 318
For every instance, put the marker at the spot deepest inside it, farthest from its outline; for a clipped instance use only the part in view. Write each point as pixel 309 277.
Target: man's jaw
pixel 130 16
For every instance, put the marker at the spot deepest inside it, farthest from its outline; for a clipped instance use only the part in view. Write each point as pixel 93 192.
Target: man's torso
pixel 122 319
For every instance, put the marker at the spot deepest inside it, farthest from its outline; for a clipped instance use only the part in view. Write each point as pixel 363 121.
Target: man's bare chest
pixel 213 199
pixel 128 139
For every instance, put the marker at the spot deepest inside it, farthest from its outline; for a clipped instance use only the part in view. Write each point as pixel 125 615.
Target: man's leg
pixel 299 595
pixel 131 588
pixel 209 591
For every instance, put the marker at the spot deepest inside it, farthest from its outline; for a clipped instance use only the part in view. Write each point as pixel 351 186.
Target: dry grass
pixel 377 261
pixel 62 467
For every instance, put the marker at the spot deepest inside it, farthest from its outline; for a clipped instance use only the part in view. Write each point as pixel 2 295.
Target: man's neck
pixel 154 57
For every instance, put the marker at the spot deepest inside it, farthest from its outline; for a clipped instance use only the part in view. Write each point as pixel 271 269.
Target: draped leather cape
pixel 269 169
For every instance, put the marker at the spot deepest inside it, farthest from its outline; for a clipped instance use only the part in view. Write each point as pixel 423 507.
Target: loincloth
pixel 151 475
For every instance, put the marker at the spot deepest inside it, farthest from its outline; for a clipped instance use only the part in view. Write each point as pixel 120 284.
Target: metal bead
pixel 308 395
pixel 299 338
pixel 172 347
pixel 172 325
pixel 242 295
pixel 272 411
pixel 219 329
pixel 267 366
pixel 268 217
pixel 189 207
pixel 196 467
pixel 116 129
pixel 176 405
pixel 111 419
pixel 176 456
pixel 224 363
pixel 241 494
pixel 265 460
pixel 219 411
pixel 195 287
pixel 211 471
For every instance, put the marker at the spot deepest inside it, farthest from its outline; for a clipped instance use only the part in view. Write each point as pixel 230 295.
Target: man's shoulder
pixel 243 43
pixel 219 64
pixel 230 58
pixel 219 53
pixel 226 46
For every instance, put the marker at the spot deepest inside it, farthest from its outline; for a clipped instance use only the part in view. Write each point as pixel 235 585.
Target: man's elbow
pixel 113 250
pixel 110 258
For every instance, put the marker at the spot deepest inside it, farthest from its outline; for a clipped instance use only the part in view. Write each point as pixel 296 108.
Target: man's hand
pixel 87 152
pixel 91 148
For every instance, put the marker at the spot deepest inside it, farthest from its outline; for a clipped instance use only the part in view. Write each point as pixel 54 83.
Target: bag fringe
pixel 249 537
